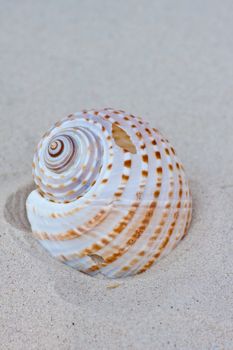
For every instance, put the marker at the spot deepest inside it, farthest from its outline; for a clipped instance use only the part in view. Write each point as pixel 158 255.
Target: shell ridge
pixel 158 249
pixel 125 260
pixel 118 251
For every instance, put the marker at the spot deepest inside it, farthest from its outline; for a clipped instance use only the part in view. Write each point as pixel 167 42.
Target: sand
pixel 171 62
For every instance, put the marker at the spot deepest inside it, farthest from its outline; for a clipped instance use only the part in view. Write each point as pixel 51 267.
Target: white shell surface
pixel 100 207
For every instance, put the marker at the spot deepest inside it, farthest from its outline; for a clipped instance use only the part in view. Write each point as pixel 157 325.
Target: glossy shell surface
pixel 112 196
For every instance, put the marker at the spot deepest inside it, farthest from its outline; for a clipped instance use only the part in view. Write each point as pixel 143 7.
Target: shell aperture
pixel 112 195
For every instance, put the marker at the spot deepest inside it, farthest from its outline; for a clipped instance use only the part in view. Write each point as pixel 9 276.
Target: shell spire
pixel 112 195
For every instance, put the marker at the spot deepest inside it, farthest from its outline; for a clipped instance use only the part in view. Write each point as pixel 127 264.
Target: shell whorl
pixel 67 162
pixel 112 195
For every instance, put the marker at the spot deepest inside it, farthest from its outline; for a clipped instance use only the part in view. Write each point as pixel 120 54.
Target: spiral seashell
pixel 111 197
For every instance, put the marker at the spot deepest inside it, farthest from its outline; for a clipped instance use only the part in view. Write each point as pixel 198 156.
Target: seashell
pixel 111 197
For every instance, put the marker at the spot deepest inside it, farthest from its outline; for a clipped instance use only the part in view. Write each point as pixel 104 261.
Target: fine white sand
pixel 171 62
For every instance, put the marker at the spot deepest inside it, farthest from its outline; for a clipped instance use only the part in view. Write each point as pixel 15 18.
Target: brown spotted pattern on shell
pixel 112 196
